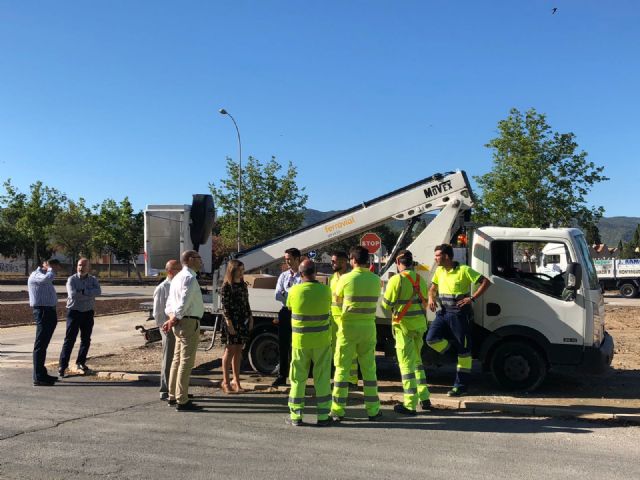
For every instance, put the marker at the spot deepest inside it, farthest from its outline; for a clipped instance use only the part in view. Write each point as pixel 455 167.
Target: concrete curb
pixel 391 398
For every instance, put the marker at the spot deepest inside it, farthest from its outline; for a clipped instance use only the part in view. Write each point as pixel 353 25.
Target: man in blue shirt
pixel 43 301
pixel 82 290
pixel 286 280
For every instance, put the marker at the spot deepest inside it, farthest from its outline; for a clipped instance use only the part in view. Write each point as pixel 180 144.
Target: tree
pixel 538 177
pixel 592 233
pixel 272 203
pixel 72 230
pixel 32 217
pixel 103 224
pixel 119 231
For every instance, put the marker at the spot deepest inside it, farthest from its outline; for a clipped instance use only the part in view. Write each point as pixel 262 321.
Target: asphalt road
pixel 84 428
pixel 110 332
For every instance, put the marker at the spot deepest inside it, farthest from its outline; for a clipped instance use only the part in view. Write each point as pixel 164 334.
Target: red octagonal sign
pixel 371 241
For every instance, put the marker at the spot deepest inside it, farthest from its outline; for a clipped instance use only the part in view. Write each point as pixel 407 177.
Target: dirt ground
pixel 618 388
pixel 15 314
pixel 623 323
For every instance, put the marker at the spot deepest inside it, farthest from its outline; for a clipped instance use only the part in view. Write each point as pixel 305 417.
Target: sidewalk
pixel 118 353
pixel 544 404
pixel 537 407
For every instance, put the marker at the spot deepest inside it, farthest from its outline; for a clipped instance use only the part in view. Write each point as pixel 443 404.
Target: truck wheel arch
pixel 513 332
pixel 260 348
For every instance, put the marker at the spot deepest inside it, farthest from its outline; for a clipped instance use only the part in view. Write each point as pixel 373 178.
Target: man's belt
pixel 191 316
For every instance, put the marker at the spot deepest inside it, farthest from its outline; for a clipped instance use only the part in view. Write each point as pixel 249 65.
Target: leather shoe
pixel 43 383
pixel 324 423
pixel 426 405
pixel 336 418
pixel 279 382
pixel 188 407
pixel 172 403
pixel 294 423
pixel 164 396
pixel 83 368
pixel 402 410
pixel 62 373
pixel 377 416
pixel 51 378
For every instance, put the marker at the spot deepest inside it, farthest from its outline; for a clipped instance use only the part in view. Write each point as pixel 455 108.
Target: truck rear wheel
pixel 263 352
pixel 516 365
pixel 628 290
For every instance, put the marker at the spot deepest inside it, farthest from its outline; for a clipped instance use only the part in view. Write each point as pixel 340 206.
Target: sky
pixel 120 98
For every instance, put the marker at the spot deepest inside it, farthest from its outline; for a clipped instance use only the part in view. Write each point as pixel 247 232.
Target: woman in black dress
pixel 238 322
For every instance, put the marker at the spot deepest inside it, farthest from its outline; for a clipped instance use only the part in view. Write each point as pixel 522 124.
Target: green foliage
pixel 71 231
pixel 31 217
pixel 631 249
pixel 118 230
pixel 538 178
pixel 592 234
pixel 272 203
pixel 386 234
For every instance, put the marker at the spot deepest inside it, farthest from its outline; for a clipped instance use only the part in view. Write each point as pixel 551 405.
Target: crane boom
pixel 430 194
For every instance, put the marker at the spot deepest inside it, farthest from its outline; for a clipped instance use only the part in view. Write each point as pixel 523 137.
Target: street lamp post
pixel 224 112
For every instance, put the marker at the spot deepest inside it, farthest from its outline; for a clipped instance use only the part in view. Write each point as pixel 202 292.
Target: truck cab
pixel 532 319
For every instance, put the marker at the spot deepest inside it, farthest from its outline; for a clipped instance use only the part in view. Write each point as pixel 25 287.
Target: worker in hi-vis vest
pixel 310 303
pixel 451 284
pixel 358 292
pixel 406 296
pixel 340 265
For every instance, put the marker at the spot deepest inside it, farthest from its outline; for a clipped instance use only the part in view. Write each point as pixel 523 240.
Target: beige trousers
pixel 187 333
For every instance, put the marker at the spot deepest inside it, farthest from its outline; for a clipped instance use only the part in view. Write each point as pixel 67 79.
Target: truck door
pixel 524 297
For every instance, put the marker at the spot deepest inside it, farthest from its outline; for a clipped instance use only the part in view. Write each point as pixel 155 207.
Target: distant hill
pixel 312 216
pixel 612 229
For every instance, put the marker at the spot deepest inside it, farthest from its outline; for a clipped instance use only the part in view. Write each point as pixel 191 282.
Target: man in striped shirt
pixel 43 301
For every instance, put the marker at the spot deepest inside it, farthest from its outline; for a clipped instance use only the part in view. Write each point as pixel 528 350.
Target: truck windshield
pixel 587 262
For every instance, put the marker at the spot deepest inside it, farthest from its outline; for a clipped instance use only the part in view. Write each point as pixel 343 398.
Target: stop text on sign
pixel 371 241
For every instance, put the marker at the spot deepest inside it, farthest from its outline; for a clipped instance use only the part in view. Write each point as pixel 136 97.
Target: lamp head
pixel 223 111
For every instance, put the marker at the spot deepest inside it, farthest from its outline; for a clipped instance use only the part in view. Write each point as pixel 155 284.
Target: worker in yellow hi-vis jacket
pixel 340 265
pixel 406 296
pixel 310 302
pixel 358 292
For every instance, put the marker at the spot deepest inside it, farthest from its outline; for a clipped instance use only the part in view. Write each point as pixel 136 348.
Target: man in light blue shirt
pixel 82 290
pixel 160 296
pixel 43 301
pixel 286 280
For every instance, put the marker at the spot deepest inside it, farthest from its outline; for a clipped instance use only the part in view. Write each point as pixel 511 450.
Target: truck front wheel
pixel 516 365
pixel 628 290
pixel 263 352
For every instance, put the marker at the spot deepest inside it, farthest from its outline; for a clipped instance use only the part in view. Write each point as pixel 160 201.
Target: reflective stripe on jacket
pixel 310 303
pixel 359 291
pixel 399 292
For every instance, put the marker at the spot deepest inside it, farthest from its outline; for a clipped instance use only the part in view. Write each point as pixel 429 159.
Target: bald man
pixel 160 295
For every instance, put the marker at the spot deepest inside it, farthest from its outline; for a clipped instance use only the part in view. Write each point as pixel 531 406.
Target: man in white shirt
pixel 184 309
pixel 160 295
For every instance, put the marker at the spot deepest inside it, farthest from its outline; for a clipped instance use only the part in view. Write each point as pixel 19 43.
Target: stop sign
pixel 371 241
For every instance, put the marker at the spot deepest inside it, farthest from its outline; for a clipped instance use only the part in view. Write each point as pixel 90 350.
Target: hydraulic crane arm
pixel 444 192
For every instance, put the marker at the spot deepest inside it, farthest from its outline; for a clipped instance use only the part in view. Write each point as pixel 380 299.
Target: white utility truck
pixel 526 323
pixel 621 274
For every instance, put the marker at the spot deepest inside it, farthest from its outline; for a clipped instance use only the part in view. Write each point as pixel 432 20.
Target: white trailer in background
pixel 167 233
pixel 526 323
pixel 622 274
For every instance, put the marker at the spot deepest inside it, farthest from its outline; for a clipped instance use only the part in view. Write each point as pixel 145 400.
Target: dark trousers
pixel 284 340
pixel 46 320
pixel 454 326
pixel 82 322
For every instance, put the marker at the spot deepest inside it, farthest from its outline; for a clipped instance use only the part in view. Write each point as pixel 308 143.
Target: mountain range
pixel 612 229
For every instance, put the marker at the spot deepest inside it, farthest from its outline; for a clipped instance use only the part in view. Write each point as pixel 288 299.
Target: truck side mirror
pixel 573 280
pixel 202 219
